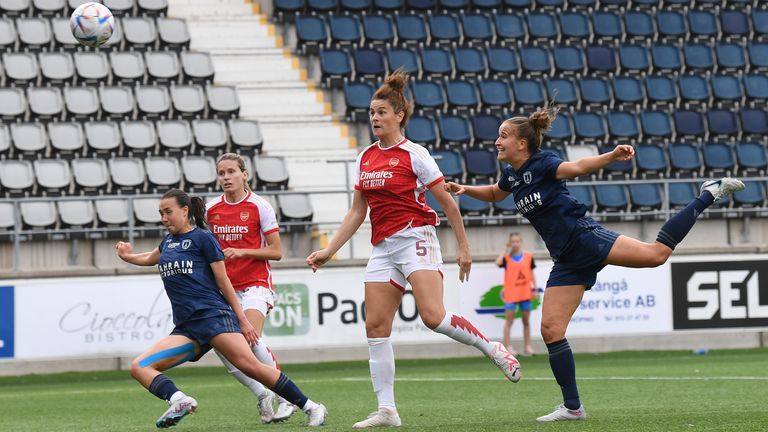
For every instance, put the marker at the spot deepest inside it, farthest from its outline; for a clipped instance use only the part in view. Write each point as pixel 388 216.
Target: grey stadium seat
pixel 67 139
pixel 7 220
pixel 173 33
pixel 270 173
pixel 111 215
pixel 29 140
pixel 15 7
pixel 45 103
pixel 17 177
pixel 199 173
pixel 7 34
pixel 246 136
pixel 188 100
pixel 34 33
pixel 91 175
pixel 49 7
pixel 146 214
pixel 162 66
pixel 56 68
pixel 139 137
pixel 62 34
pixel 14 106
pixel 38 215
pixel 103 138
pixel 140 33
pixel 175 137
pixel 163 173
pixel 91 67
pixel 222 101
pixel 53 177
pixel 82 103
pixel 128 175
pixel 210 136
pixel 197 67
pixel 120 7
pixel 127 67
pixel 153 7
pixel 116 102
pixel 295 212
pixel 21 68
pixel 5 140
pixel 76 214
pixel 117 40
pixel 153 102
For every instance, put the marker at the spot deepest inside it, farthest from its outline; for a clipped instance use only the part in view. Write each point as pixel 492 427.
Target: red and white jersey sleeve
pixel 244 225
pixel 394 180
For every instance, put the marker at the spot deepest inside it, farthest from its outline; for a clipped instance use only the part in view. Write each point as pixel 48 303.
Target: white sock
pixel 176 396
pixel 251 384
pixel 309 405
pixel 382 364
pixel 459 329
pixel 264 354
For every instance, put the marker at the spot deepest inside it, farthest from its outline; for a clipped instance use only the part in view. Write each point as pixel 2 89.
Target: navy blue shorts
pixel 582 261
pixel 206 324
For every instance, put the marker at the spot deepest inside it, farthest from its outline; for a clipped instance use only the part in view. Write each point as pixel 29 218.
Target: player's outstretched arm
pixel 490 193
pixel 352 221
pixel 590 164
pixel 463 256
pixel 225 286
pixel 125 252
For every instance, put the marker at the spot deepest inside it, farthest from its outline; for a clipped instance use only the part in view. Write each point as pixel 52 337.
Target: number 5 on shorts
pixel 420 249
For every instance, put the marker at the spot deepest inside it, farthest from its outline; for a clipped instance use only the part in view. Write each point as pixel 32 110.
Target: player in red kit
pixel 393 174
pixel 246 228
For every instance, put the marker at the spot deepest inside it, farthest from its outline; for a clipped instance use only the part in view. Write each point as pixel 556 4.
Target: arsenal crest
pixel 393 162
pixel 244 216
pixel 216 217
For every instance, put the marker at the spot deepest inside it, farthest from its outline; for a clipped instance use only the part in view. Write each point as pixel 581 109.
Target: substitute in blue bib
pixel 206 312
pixel 579 246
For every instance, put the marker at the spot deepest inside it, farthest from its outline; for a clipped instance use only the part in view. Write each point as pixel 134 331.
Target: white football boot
pixel 383 417
pixel 506 362
pixel 316 416
pixel 266 406
pixel 723 187
pixel 561 413
pixel 285 410
pixel 176 412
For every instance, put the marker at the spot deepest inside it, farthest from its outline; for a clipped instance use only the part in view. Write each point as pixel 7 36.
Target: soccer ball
pixel 92 24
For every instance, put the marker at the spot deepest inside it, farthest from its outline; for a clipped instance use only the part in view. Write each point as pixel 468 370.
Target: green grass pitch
pixel 630 391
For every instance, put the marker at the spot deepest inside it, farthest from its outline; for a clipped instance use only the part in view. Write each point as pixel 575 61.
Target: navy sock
pixel 162 387
pixel 675 230
pixel 286 389
pixel 564 369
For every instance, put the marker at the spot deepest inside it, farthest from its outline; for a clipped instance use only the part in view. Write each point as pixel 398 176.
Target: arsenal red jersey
pixel 244 225
pixel 393 181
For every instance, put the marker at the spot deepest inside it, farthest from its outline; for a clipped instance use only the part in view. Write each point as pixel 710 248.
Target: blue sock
pixel 286 389
pixel 564 369
pixel 162 387
pixel 675 230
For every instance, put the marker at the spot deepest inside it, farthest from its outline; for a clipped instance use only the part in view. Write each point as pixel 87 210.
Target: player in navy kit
pixel 206 312
pixel 579 246
pixel 393 175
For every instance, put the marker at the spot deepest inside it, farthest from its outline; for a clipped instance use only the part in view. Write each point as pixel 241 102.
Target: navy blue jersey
pixel 544 200
pixel 185 267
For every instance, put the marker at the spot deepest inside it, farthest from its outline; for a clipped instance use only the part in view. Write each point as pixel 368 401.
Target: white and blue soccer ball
pixel 92 24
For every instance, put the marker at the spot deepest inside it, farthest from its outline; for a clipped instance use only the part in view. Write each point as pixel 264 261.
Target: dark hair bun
pixel 540 119
pixel 397 80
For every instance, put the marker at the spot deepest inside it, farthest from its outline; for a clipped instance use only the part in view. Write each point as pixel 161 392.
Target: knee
pixel 431 319
pixel 551 332
pixel 377 328
pixel 135 369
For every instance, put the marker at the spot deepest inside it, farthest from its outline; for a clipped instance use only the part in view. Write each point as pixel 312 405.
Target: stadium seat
pixel 502 62
pixel 574 26
pixel 128 175
pixel 722 124
pixel 210 136
pixel 633 59
pixel 756 89
pixel 103 138
pixel 694 90
pixel 617 170
pixel 115 42
pixel 139 138
pixel 601 59
pixel 751 158
pixel 575 152
pixel 188 101
pixel 542 26
pixel 443 29
pixel 758 57
pixel 656 126
pixel 651 161
pixel 38 217
pixel 222 101
pixel 582 194
pixel 453 4
pixel 473 211
pixel 91 67
pixel 111 216
pixel 67 139
pixel 311 34
pixel 734 24
pixel 45 103
pixel 163 173
pixel 588 127
pixel 611 198
pixel 403 58
pixel 56 68
pixel 528 94
pixel 5 141
pixel 422 130
pixel 566 92
pixel 698 58
pixel 369 64
pixel 116 102
pixel 14 106
pixel 76 214
pixel 726 90
pixel 152 7
pixel 411 30
pixel 420 5
pixel 140 33
pixel 8 36
pixel 607 26
pixel 582 4
pixel 62 34
pixel 639 26
pixel 718 159
pixel 569 60
pixel 689 124
pixel 510 28
pixel 17 178
pixel 730 57
pixel 162 67
pixel 21 69
pixel 485 129
pixel 681 194
pixel 335 66
pixel 645 197
pixel 494 94
pixel 345 31
pixel 388 5
pixel 29 140
pixel 322 6
pixel 535 61
pixel 477 28
pixel 378 30
pixel 518 4
pixel 561 131
pixel 127 67
pixel 355 6
pixel 595 92
pixel 175 137
pixel 461 96
pixel 754 123
pixel 666 58
pixel 91 175
pixel 481 166
pixel 507 210
pixel 245 136
pixel 357 98
pixel 152 102
pixel 753 196
pixel 622 126
pixel 173 33
pixel 684 160
pixel 470 62
pixel 295 212
pixel 486 4
pixel 450 164
pixel 454 131
pixel 427 96
pixel 760 24
pixel 702 25
pixel 147 220
pixel 200 173
pixel 34 33
pixel 436 63
pixel 197 67
pixel 628 92
pixel 671 26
